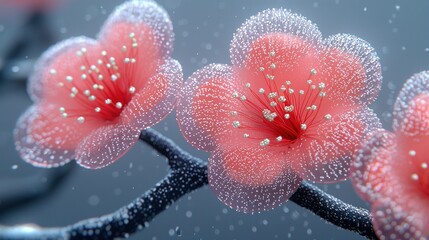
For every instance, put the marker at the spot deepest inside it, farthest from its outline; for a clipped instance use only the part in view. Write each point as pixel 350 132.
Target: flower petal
pixel 149 106
pixel 44 139
pixel 106 145
pixel 410 114
pixel 251 179
pixel 271 21
pixel 55 57
pixel 156 99
pixel 326 156
pixel 351 69
pixel 205 105
pixel 370 169
pixel 144 12
pixel 393 221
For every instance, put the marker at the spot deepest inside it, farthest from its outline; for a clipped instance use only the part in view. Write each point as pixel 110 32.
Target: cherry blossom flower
pixel 391 170
pixel 93 97
pixel 292 107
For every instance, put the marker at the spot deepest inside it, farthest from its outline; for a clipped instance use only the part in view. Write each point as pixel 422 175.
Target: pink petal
pixel 268 22
pixel 44 139
pixel 325 156
pixel 144 12
pixel 351 69
pixel 105 145
pixel 40 77
pixel 411 113
pixel 205 105
pixel 149 106
pixel 156 99
pixel 394 221
pixel 371 169
pixel 251 179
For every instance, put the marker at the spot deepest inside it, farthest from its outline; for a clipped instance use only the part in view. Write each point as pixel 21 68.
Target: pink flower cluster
pixel 292 106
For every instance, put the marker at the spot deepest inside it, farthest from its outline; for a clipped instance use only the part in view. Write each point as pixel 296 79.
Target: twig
pixel 187 174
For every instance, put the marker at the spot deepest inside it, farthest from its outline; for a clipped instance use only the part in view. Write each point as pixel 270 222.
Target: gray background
pixel 398 30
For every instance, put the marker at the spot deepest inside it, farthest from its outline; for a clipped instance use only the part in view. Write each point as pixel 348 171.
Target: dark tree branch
pixel 187 174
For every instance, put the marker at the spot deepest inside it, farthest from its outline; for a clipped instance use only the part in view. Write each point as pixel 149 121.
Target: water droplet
pixel 14 167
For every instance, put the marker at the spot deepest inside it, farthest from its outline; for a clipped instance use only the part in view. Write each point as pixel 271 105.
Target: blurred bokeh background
pixel 398 30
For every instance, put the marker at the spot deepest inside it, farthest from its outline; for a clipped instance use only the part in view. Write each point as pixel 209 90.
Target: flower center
pixel 421 176
pixel 280 114
pixel 101 87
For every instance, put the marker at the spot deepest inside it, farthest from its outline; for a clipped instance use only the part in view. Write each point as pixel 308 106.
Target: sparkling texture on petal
pixel 203 112
pixel 370 168
pixel 410 115
pixel 270 183
pixel 351 67
pixel 326 156
pixel 37 79
pixel 271 21
pixel 146 12
pixel 44 139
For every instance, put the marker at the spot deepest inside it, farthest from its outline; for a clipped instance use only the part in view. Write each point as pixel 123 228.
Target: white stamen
pixel 234 113
pixel 87 92
pixel 114 77
pixel 313 71
pixel 414 176
pixel 289 108
pixel 261 91
pixel 91 98
pixel 301 92
pixel 103 53
pixel 322 94
pixel 303 126
pixel 412 153
pixel 235 95
pixel 282 99
pixel 81 119
pixel 272 95
pixel 248 85
pixel 62 109
pixel 69 78
pixel 272 53
pixel 279 138
pixel 243 98
pixel 97 109
pixel 424 165
pixel 271 77
pixel 272 66
pixel 64 115
pixel 53 71
pixel 132 90
pixel 287 116
pixel 108 101
pixel 118 105
pixel 135 45
pixel 273 104
pixel 328 117
pixel 245 135
pixel 261 69
pixel 321 85
pixel 83 76
pixel 235 124
pixel 264 142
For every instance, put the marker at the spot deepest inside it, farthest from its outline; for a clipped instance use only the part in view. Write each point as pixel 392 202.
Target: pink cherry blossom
pixel 292 107
pixel 391 170
pixel 93 97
